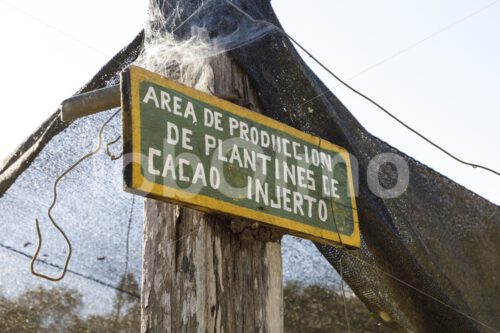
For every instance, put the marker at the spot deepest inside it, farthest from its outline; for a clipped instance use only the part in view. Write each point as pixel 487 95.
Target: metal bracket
pixel 89 103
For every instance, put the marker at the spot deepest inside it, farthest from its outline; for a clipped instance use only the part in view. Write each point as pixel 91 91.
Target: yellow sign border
pixel 139 184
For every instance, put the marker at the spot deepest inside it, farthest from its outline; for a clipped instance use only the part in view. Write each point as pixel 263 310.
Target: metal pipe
pixel 89 103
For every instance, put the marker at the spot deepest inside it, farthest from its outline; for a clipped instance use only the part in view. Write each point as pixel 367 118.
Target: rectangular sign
pixel 187 147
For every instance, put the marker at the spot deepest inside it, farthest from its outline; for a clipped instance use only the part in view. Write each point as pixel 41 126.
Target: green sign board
pixel 187 147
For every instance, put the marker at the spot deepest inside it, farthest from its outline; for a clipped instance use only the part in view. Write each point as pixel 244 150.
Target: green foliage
pixel 312 309
pixel 57 310
pixel 316 309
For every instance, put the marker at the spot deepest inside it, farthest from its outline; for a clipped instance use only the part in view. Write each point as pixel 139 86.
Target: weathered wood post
pixel 207 273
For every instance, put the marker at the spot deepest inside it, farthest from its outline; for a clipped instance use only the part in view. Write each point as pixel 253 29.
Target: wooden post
pixel 207 273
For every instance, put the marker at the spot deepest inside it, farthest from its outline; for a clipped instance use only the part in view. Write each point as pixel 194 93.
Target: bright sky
pixel 434 64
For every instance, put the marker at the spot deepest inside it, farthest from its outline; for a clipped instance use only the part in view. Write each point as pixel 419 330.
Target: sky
pixel 434 64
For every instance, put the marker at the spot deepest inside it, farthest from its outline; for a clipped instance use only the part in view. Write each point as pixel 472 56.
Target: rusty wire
pixel 348 86
pixel 54 200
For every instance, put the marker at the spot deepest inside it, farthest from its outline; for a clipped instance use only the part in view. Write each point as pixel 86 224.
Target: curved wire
pixel 65 268
pixel 360 93
pixel 111 156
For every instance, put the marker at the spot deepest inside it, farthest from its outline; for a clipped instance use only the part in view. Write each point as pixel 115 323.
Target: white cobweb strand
pixel 186 61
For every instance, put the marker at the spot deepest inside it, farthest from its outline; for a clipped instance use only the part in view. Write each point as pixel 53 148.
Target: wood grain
pixel 208 273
